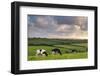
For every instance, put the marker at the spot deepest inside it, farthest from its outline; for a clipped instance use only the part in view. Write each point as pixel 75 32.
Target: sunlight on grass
pixel 64 56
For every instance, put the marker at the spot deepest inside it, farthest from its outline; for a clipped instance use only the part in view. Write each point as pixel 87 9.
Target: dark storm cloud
pixel 47 26
pixel 72 20
pixel 65 20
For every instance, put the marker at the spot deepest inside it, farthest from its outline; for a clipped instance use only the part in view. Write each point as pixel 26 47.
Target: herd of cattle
pixel 42 52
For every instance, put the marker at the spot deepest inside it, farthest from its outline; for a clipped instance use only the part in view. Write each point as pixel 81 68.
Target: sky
pixel 60 27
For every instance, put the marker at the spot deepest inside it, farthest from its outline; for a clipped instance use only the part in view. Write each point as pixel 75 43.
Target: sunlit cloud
pixel 74 27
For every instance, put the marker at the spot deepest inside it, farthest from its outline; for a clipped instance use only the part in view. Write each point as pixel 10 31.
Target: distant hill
pixel 46 41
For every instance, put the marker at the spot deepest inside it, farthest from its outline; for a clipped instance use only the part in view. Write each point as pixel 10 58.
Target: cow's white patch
pixel 40 52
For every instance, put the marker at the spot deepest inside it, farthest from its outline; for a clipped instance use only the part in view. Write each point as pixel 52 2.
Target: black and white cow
pixel 74 51
pixel 56 51
pixel 71 51
pixel 41 52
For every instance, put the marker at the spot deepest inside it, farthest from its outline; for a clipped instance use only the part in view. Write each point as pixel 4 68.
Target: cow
pixel 41 52
pixel 71 51
pixel 56 51
pixel 74 51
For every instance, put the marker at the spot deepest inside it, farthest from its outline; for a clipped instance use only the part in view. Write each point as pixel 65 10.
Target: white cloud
pixel 64 28
pixel 48 27
pixel 70 31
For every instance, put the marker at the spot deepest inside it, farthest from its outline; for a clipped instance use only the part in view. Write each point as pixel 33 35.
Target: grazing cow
pixel 41 52
pixel 56 51
pixel 71 51
pixel 74 51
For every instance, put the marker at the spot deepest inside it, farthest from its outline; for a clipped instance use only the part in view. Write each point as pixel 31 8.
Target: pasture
pixel 65 45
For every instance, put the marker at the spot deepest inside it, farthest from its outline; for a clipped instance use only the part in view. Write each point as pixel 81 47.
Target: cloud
pixel 64 28
pixel 82 22
pixel 70 31
pixel 57 26
pixel 41 22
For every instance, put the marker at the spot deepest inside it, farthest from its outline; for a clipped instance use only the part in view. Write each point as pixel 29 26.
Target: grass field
pixel 64 56
pixel 65 45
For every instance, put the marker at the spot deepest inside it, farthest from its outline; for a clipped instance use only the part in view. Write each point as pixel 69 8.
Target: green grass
pixel 65 45
pixel 64 56
pixel 81 44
